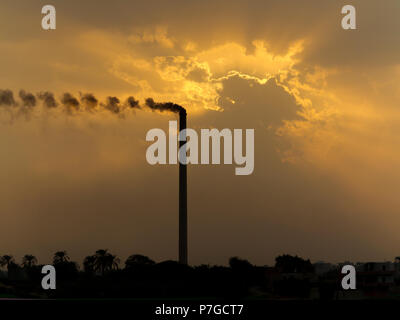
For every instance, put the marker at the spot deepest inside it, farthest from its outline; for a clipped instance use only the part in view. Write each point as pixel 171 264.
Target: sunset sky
pixel 324 103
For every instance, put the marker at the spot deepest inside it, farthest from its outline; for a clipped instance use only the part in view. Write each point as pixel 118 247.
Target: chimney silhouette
pixel 183 246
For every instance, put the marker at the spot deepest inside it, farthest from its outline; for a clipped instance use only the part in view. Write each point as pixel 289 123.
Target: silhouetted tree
pixel 6 260
pixel 29 260
pixel 243 275
pixel 66 270
pixel 138 260
pixel 239 264
pixel 105 261
pixel 14 271
pixel 60 257
pixel 89 264
pixel 289 264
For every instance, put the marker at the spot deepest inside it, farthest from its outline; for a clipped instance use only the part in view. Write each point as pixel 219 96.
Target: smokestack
pixel 172 107
pixel 183 246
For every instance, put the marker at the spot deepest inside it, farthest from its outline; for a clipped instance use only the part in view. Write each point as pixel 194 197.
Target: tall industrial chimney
pixel 183 246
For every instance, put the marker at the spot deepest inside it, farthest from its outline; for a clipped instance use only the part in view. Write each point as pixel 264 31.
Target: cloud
pixel 324 103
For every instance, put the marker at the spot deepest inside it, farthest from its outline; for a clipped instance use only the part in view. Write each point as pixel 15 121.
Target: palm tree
pixel 60 257
pixel 6 260
pixel 29 260
pixel 89 264
pixel 105 261
pixel 100 260
pixel 112 262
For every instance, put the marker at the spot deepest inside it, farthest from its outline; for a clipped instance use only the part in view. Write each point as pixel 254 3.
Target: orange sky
pixel 324 103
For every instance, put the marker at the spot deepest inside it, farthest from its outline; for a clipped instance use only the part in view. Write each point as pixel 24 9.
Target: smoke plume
pixel 70 102
pixel 28 99
pixel 166 106
pixel 132 103
pixel 7 98
pixel 48 99
pixel 89 101
pixel 112 104
pixel 86 102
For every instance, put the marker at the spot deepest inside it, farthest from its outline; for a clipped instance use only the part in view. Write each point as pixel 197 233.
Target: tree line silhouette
pixel 101 262
pixel 102 276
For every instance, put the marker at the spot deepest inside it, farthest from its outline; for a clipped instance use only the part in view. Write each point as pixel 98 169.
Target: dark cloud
pixel 256 103
pixel 290 205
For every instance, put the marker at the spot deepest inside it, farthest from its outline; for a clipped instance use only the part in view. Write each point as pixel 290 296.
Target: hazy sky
pixel 324 103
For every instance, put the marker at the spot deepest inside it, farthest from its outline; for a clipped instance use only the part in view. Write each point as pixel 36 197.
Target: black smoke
pixel 28 99
pixel 86 102
pixel 48 99
pixel 70 102
pixel 164 106
pixel 7 98
pixel 89 101
pixel 112 104
pixel 132 103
